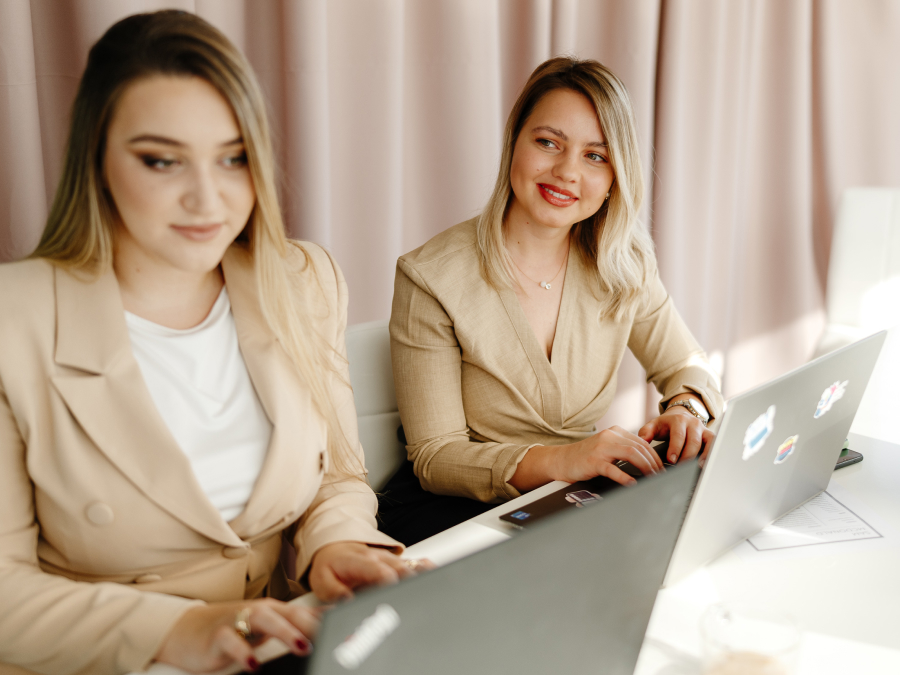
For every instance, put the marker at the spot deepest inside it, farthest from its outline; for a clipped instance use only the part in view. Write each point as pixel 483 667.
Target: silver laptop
pixel 573 594
pixel 775 449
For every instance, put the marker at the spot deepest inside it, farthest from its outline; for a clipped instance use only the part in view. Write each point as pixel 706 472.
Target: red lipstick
pixel 558 196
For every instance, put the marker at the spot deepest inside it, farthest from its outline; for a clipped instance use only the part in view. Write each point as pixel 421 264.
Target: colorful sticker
pixel 786 449
pixel 520 515
pixel 757 433
pixel 829 396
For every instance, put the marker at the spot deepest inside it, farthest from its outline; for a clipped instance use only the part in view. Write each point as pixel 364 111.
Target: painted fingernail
pixel 252 664
pixel 303 645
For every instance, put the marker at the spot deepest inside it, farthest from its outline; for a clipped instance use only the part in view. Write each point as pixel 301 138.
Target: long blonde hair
pixel 615 246
pixel 79 230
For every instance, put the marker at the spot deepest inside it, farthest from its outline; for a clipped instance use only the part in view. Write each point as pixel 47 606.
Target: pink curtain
pixel 754 116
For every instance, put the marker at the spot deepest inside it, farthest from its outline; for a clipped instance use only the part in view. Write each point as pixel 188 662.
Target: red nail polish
pixel 302 645
pixel 253 664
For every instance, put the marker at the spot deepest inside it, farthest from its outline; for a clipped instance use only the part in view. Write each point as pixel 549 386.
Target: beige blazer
pixel 474 387
pixel 106 537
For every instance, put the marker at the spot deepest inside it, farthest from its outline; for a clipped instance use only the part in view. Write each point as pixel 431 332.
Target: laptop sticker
pixel 580 497
pixel 829 397
pixel 373 630
pixel 758 431
pixel 786 449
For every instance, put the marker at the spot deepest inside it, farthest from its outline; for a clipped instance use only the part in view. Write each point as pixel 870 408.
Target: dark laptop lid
pixel 573 592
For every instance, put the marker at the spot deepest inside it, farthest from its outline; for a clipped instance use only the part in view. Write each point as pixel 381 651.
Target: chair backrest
pixel 864 271
pixel 369 354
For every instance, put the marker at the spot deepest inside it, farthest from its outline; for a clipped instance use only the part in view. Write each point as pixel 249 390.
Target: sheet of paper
pixel 821 520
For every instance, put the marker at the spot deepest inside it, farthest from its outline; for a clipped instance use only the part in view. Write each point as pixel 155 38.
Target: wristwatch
pixel 694 407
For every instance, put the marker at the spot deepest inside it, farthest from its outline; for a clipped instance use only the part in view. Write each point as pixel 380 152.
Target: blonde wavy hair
pixel 614 244
pixel 79 230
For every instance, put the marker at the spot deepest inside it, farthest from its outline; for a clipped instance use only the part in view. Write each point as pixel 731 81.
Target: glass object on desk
pixel 743 640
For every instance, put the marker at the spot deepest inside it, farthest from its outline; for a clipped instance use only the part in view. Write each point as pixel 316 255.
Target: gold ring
pixel 413 564
pixel 242 623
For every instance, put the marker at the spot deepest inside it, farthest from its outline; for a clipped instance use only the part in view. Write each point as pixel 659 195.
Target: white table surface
pixel 848 603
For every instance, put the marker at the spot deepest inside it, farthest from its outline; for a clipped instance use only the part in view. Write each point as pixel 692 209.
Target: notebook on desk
pixel 776 448
pixel 572 595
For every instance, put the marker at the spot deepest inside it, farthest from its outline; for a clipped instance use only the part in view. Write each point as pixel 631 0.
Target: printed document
pixel 821 520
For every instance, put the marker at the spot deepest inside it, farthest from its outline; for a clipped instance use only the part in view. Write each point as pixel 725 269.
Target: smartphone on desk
pixel 848 457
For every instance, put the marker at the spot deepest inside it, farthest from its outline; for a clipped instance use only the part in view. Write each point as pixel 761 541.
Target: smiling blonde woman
pixel 507 330
pixel 174 397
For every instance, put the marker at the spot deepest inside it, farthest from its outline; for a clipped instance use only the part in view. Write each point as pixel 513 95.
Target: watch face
pixel 698 409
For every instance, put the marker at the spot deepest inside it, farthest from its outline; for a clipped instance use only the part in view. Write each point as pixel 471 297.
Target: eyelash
pixel 160 164
pixel 550 144
pixel 238 160
pixel 157 162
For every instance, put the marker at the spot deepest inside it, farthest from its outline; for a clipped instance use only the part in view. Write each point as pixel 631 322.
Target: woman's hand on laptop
pixel 686 434
pixel 593 456
pixel 339 568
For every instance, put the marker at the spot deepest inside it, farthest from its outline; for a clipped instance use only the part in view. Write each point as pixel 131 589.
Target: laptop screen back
pixel 572 594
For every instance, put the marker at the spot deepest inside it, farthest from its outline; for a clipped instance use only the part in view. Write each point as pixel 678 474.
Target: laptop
pixel 572 594
pixel 776 448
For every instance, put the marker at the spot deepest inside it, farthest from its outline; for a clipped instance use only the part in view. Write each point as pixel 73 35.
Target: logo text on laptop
pixel 373 630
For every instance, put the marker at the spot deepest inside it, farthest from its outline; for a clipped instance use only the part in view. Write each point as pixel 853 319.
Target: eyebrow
pixel 562 135
pixel 162 140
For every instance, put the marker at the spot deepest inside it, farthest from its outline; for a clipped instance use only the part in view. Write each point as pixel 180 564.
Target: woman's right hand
pixel 593 456
pixel 204 639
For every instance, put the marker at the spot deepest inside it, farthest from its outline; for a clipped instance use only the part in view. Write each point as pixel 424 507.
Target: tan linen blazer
pixel 106 537
pixel 474 387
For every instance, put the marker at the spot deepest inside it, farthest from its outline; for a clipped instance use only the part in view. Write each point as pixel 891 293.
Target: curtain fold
pixel 388 116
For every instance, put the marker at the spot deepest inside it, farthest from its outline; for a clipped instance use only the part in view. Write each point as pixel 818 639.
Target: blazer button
pixel 99 513
pixel 147 579
pixel 235 552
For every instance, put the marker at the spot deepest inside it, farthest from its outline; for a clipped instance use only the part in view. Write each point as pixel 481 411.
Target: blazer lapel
pixel 108 397
pixel 551 394
pixel 293 467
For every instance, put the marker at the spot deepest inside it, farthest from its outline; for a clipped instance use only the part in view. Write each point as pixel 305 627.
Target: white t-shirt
pixel 201 387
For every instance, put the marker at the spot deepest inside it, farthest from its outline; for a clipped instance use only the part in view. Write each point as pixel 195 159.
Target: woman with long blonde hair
pixel 507 330
pixel 174 395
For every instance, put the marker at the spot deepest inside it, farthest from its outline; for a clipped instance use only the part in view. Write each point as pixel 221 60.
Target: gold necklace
pixel 543 284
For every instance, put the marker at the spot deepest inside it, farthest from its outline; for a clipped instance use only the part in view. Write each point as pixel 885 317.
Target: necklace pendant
pixel 545 285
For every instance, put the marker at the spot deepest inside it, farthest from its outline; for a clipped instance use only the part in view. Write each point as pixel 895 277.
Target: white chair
pixel 863 293
pixel 369 354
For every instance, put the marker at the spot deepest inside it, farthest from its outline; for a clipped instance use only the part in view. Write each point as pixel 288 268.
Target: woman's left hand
pixel 338 568
pixel 686 434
